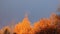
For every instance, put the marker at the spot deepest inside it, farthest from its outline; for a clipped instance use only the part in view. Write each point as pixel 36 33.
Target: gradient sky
pixel 14 10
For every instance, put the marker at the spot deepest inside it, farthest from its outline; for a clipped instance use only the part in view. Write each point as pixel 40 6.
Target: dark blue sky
pixel 16 9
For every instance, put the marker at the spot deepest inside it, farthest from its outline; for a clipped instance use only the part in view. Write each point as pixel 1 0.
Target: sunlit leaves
pixel 43 26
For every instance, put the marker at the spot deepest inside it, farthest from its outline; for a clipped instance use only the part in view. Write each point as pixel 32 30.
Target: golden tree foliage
pixel 6 30
pixel 43 26
pixel 23 27
pixel 0 31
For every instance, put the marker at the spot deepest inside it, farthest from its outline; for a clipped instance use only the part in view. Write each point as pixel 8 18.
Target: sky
pixel 15 10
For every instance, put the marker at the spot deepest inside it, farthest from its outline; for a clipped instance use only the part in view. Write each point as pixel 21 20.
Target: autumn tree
pixel 6 30
pixel 0 31
pixel 23 27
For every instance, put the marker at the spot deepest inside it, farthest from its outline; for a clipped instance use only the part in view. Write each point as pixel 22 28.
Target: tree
pixel 6 30
pixel 23 27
